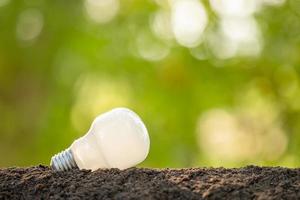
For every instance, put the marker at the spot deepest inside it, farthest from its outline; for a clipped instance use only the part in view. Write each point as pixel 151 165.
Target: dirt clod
pixel 251 182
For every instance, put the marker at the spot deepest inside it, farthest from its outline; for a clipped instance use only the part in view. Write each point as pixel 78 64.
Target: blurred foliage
pixel 220 91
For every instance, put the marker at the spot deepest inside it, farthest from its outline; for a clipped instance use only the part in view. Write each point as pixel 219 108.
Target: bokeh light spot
pixel 150 48
pixel 102 11
pixel 237 8
pixel 29 25
pixel 189 20
pixel 4 2
pixel 96 95
pixel 244 33
pixel 161 25
pixel 250 132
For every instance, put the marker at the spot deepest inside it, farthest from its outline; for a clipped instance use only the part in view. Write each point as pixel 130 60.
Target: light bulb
pixel 116 139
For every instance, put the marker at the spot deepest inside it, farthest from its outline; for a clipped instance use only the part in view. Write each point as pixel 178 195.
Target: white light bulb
pixel 116 139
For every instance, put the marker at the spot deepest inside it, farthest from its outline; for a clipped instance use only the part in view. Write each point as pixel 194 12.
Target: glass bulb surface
pixel 116 139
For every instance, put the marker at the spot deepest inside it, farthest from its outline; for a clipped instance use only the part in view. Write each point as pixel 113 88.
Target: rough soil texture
pixel 251 182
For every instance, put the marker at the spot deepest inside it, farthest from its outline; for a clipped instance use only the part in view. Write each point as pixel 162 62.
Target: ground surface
pixel 136 183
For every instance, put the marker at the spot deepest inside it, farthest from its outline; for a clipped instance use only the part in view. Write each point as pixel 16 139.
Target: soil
pixel 40 182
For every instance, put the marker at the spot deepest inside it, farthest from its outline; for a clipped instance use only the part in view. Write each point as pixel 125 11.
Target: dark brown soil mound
pixel 138 183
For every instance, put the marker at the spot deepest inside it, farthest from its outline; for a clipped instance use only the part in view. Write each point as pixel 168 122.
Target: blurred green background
pixel 216 82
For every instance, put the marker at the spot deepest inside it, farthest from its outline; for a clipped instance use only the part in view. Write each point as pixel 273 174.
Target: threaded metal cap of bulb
pixel 63 161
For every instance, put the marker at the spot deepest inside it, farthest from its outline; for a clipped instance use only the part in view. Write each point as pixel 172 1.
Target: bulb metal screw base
pixel 63 161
